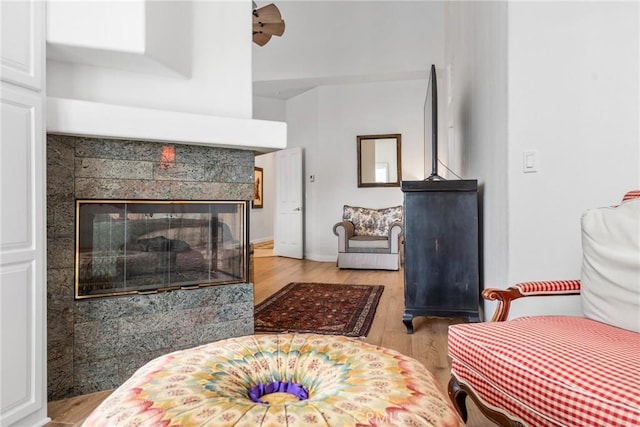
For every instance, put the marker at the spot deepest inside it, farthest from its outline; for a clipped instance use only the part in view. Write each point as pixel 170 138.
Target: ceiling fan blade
pixel 261 38
pixel 276 29
pixel 268 14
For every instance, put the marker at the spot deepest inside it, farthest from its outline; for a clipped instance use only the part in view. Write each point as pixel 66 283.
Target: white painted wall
pixel 168 34
pixel 574 97
pixel 476 106
pixel 262 220
pixel 325 122
pixel 560 78
pixel 269 109
pixel 220 80
pixel 98 24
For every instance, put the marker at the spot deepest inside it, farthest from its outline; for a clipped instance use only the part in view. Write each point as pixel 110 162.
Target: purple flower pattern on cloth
pixel 257 391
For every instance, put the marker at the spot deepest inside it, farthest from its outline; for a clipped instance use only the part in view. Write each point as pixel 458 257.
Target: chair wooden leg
pixel 458 394
pixel 458 397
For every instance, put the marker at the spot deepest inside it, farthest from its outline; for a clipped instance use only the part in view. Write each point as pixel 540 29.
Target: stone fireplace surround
pixel 97 344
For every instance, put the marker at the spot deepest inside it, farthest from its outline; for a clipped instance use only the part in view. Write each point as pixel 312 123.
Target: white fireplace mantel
pixel 94 119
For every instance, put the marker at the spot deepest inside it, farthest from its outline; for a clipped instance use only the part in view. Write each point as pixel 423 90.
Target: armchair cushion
pixel 369 242
pixel 611 265
pixel 372 222
pixel 551 370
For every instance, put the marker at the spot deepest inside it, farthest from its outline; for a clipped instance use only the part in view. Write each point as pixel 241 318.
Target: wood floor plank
pixel 428 343
pixel 73 411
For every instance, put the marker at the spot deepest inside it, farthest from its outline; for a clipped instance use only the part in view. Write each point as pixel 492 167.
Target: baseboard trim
pixel 321 257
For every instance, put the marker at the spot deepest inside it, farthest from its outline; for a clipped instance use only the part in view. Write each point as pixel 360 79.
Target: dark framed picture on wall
pixel 258 185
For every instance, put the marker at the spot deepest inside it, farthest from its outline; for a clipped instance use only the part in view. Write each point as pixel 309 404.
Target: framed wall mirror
pixel 379 162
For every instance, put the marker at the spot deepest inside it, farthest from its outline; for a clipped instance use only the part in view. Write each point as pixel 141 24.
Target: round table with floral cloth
pixel 279 380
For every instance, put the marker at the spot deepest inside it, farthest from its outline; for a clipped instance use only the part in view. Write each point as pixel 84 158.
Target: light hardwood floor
pixel 428 343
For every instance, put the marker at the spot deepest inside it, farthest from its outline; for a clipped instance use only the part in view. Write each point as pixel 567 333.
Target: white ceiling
pixel 338 42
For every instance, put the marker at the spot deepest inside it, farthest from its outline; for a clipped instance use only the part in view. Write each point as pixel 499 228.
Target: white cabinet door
pixel 23 388
pixel 22 43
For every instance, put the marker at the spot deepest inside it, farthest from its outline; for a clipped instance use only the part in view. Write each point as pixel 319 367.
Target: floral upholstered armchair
pixel 370 238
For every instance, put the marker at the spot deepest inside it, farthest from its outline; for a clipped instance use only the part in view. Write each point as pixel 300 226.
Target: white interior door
pixel 288 231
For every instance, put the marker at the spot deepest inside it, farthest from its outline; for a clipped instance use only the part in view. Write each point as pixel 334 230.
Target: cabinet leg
pixel 407 319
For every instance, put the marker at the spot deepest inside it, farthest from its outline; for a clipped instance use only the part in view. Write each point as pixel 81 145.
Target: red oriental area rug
pixel 320 308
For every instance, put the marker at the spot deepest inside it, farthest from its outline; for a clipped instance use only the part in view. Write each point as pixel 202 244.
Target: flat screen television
pixel 431 125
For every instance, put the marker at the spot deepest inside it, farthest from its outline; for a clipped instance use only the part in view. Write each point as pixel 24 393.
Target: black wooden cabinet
pixel 442 250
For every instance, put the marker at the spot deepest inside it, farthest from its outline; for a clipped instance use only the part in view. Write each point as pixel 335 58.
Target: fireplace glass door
pixel 125 247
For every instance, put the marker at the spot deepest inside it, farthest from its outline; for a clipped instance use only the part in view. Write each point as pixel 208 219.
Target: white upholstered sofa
pixel 370 238
pixel 563 370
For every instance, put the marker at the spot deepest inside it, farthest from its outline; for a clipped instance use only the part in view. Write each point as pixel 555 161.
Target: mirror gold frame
pixel 379 160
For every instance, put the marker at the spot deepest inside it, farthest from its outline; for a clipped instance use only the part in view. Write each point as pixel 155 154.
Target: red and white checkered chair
pixel 562 370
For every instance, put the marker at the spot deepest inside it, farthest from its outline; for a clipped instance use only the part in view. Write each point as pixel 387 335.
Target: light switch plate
pixel 530 161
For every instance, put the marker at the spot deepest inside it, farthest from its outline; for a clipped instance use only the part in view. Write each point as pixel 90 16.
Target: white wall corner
pixel 141 36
